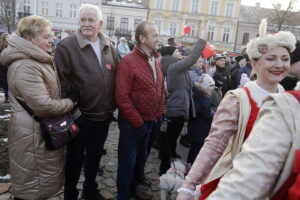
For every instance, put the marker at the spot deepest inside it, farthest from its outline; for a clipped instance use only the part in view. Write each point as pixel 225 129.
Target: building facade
pixel 122 16
pixel 119 16
pixel 249 20
pixel 217 18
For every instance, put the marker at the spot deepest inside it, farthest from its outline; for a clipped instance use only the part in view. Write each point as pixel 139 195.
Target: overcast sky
pixel 268 3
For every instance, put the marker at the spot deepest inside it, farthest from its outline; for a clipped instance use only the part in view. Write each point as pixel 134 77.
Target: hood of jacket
pixel 19 48
pixel 166 61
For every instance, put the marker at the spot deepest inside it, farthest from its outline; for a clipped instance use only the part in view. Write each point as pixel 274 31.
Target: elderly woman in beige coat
pixel 266 160
pixel 36 173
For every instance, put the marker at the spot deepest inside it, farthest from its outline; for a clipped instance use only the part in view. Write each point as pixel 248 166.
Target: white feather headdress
pixel 264 42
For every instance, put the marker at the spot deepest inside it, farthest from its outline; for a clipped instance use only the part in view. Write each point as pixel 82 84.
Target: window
pixel 229 9
pixel 73 10
pixel 58 9
pixel 226 33
pixel 44 8
pixel 110 23
pixel 175 5
pixel 211 30
pixel 6 11
pixel 193 31
pixel 246 37
pixel 195 5
pixel 26 6
pixel 136 22
pixel 214 8
pixel 173 27
pixel 158 24
pixel 124 25
pixel 159 4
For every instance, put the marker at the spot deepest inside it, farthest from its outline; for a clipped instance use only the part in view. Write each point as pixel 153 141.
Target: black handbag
pixel 57 131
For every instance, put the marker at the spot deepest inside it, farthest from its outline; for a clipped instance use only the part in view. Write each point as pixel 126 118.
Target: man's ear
pixel 101 23
pixel 142 38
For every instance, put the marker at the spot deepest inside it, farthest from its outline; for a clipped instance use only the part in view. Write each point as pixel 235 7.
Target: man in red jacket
pixel 140 99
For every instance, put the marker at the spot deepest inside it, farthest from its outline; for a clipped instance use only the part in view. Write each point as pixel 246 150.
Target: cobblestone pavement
pixel 107 182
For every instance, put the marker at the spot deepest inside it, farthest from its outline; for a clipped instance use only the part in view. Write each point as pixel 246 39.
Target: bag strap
pixel 28 109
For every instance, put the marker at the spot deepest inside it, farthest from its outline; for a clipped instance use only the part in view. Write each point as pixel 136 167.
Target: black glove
pixel 74 95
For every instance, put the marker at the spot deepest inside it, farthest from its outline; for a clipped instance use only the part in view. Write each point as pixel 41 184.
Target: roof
pixel 253 15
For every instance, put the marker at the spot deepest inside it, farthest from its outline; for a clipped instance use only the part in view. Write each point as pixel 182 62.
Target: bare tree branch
pixel 282 17
pixel 7 16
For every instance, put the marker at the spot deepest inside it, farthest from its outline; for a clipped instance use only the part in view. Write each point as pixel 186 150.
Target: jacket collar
pixel 83 42
pixel 142 53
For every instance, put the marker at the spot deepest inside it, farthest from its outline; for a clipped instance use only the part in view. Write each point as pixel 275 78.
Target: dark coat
pixel 234 71
pixel 222 79
pixel 81 73
pixel 3 76
pixel 198 127
pixel 178 81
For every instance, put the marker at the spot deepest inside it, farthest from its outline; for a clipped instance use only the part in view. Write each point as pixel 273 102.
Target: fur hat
pixel 262 44
pixel 167 50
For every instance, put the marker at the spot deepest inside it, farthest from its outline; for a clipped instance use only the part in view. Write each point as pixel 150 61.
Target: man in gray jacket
pixel 86 65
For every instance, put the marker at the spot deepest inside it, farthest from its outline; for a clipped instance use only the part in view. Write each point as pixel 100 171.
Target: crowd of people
pixel 240 122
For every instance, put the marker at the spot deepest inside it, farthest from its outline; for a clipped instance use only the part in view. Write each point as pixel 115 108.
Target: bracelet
pixel 187 191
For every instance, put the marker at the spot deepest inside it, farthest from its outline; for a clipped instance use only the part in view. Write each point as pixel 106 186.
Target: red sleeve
pixel 124 82
pixel 162 101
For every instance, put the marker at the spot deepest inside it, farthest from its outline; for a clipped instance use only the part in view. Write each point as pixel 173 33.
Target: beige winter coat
pixel 267 156
pixel 36 173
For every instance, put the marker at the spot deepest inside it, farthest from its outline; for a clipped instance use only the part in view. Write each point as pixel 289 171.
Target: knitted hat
pixel 238 58
pixel 262 44
pixel 205 81
pixel 167 50
pixel 244 79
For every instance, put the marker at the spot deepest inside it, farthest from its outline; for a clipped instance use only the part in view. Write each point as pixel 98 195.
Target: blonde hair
pixel 32 25
pixel 3 41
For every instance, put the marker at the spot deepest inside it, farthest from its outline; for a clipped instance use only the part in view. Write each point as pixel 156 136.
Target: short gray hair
pixel 91 6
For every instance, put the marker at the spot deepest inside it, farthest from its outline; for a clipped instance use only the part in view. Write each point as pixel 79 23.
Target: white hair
pixel 91 6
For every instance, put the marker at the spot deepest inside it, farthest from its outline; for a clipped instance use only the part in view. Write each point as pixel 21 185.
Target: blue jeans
pixel 86 148
pixel 132 156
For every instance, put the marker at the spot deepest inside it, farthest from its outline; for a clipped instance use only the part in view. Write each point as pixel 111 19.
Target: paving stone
pixel 110 182
pixel 109 162
pixel 5 196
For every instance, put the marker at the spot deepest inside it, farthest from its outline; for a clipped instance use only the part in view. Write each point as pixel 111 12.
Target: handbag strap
pixel 28 109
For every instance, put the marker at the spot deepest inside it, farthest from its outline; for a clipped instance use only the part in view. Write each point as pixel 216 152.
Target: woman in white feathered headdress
pixel 236 114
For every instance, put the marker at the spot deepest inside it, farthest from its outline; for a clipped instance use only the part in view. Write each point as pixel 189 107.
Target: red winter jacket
pixel 138 98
